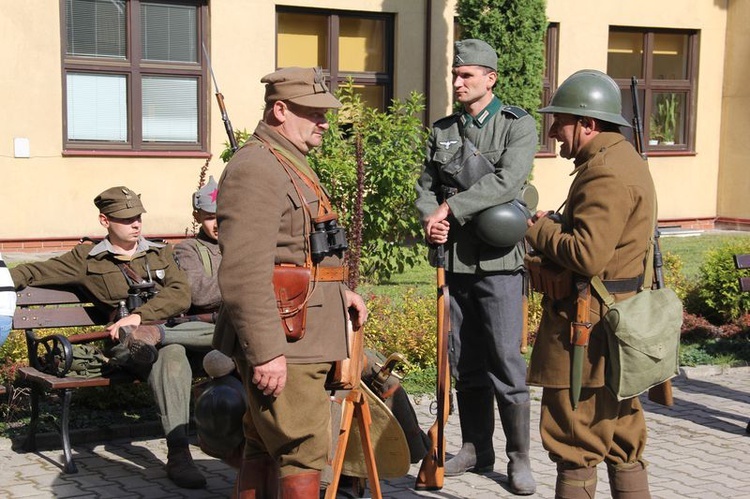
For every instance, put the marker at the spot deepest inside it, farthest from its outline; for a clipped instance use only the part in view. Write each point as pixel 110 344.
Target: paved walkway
pixel 697 449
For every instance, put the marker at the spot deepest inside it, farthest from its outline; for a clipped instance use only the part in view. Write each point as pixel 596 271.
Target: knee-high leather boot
pixel 576 483
pixel 516 422
pixel 301 486
pixel 628 481
pixel 257 478
pixel 476 410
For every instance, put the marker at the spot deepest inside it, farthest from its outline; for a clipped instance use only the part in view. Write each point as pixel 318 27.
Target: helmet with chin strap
pixel 588 93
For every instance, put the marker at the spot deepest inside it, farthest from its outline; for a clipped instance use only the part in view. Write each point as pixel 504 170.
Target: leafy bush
pixel 718 297
pixel 406 326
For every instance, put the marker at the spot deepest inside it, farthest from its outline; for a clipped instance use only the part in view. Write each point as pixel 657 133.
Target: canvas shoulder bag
pixel 643 336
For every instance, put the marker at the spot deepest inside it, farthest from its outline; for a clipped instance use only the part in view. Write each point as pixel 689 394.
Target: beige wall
pixel 734 180
pixel 686 186
pixel 242 38
pixel 242 35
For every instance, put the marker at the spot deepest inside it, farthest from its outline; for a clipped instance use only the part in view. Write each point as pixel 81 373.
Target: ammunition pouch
pixel 545 277
pixel 466 168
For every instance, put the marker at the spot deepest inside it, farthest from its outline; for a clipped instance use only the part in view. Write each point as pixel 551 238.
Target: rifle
pixel 172 321
pixel 432 469
pixel 662 393
pixel 222 108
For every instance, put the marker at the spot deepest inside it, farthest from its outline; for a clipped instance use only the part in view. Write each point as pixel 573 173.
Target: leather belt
pixel 618 286
pixel 331 274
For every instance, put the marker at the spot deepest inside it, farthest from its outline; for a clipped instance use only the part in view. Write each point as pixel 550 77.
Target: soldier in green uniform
pixel 268 197
pixel 478 158
pixel 603 231
pixel 199 257
pixel 107 272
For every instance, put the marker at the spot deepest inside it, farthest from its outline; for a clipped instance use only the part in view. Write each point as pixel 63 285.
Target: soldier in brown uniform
pixel 107 271
pixel 268 196
pixel 603 231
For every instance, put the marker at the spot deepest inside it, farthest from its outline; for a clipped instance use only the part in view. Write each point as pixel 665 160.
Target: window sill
pixel 134 154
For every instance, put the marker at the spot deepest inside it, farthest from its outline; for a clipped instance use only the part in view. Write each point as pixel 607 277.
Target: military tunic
pixel 605 230
pixel 93 268
pixel 485 281
pixel 204 286
pixel 263 223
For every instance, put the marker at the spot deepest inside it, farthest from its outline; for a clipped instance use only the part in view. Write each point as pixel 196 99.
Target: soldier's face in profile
pixel 304 126
pixel 563 130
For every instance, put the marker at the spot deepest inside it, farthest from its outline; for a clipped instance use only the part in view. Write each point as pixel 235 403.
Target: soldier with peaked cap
pixel 106 271
pixel 268 195
pixel 478 158
pixel 604 230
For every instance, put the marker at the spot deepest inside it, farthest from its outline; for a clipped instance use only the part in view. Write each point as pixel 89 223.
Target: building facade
pixel 98 93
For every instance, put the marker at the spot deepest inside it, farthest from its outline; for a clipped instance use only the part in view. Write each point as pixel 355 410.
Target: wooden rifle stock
pixel 662 393
pixel 432 469
pixel 172 321
pixel 222 107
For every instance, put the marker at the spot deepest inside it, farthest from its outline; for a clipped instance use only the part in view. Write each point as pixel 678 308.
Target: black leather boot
pixel 515 419
pixel 476 411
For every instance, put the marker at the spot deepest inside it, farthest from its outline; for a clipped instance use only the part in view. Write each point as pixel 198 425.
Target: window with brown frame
pixel 357 45
pixel 133 76
pixel 549 85
pixel 665 64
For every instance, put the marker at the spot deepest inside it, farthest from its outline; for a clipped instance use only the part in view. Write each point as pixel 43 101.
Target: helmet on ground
pixel 588 93
pixel 218 416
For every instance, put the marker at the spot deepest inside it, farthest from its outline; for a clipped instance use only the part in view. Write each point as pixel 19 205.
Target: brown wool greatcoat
pixel 204 287
pixel 606 225
pixel 262 223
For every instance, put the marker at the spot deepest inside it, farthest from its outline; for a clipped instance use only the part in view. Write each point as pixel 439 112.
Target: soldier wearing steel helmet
pixel 604 231
pixel 477 158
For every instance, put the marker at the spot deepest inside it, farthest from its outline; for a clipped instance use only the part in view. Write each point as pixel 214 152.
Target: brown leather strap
pixel 330 274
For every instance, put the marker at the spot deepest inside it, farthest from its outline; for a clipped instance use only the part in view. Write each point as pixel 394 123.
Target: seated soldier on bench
pixel 199 257
pixel 126 264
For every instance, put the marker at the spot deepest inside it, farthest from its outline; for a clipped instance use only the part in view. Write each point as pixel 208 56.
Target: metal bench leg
pixel 70 466
pixel 29 444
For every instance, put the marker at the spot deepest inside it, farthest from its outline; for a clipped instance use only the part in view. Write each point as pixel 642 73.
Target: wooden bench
pixel 54 308
pixel 743 262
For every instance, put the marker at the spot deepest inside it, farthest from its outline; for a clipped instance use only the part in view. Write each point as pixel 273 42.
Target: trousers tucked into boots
pixel 575 483
pixel 476 410
pixel 516 422
pixel 628 481
pixel 257 478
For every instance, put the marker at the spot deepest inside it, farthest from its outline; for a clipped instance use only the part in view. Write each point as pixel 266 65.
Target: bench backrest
pixel 743 262
pixel 50 307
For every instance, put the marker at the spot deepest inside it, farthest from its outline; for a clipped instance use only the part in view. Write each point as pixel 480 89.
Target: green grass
pixel 692 248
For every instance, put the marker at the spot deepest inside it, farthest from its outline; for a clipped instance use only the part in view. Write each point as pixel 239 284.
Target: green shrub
pixel 406 326
pixel 719 298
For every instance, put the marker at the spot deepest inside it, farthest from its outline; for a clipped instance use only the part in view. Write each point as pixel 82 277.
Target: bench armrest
pixel 51 354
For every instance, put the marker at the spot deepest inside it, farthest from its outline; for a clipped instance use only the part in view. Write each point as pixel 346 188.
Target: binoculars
pixel 140 293
pixel 327 238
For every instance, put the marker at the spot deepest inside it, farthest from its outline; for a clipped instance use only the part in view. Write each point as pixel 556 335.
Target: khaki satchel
pixel 291 285
pixel 643 339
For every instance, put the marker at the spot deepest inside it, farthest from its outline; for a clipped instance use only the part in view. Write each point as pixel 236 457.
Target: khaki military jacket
pixel 262 223
pixel 202 276
pixel 93 269
pixel 606 227
pixel 507 137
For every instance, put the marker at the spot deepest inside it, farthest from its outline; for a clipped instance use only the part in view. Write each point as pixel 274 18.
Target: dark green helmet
pixel 504 225
pixel 588 93
pixel 218 416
